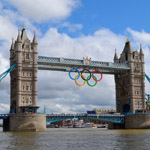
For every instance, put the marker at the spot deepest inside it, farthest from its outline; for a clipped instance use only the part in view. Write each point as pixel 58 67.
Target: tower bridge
pixel 128 71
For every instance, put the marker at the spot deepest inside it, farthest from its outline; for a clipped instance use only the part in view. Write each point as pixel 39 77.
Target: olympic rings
pixel 76 70
pixel 93 78
pixel 88 72
pixel 82 77
pixel 100 77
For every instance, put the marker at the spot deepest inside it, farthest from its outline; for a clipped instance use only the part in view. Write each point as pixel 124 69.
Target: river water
pixel 76 139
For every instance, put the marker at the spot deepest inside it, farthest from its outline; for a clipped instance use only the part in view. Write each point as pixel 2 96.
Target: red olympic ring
pixel 100 73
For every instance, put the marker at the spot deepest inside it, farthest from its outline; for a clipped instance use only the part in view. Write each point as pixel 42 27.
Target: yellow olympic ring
pixel 77 82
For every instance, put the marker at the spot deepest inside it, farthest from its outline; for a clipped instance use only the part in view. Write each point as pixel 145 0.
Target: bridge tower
pixel 130 84
pixel 23 78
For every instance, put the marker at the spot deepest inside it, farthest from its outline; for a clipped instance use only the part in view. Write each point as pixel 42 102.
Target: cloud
pixel 140 37
pixel 71 27
pixel 102 43
pixel 4 108
pixel 39 10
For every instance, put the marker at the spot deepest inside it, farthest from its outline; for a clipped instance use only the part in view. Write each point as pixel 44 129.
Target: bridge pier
pixel 116 126
pixel 137 121
pixel 133 121
pixel 25 122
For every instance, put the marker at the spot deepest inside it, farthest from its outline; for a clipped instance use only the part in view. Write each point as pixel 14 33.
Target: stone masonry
pixel 24 77
pixel 130 84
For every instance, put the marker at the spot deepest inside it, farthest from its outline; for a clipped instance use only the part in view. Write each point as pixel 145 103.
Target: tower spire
pixel 128 48
pixel 127 41
pixel 23 27
pixel 23 34
pixel 141 51
pixel 116 56
pixel 12 44
pixel 19 37
pixel 34 38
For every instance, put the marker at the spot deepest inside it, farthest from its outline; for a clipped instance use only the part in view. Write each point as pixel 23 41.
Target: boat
pixel 102 125
pixel 90 125
pixel 78 124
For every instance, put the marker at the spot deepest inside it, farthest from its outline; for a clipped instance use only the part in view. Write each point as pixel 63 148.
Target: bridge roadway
pixel 107 117
pixel 65 64
pixel 50 118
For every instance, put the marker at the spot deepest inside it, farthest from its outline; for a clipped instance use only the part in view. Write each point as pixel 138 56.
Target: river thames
pixel 76 139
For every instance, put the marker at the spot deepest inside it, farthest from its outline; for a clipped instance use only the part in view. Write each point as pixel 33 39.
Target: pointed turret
pixel 12 45
pixel 34 38
pixel 128 48
pixel 141 51
pixel 116 56
pixel 23 34
pixel 19 37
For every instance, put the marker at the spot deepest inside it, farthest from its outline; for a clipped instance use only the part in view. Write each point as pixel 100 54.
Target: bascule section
pixel 130 84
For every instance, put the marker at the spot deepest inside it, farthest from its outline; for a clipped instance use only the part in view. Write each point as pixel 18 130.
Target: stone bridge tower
pixel 130 84
pixel 23 98
pixel 24 77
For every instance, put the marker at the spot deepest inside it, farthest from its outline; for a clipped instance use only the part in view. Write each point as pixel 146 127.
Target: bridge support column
pixel 137 121
pixel 25 122
pixel 116 126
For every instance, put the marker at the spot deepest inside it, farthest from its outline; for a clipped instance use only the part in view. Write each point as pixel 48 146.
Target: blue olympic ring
pixel 70 73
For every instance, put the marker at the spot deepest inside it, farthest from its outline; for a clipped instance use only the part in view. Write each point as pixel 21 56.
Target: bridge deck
pixel 109 118
pixel 65 64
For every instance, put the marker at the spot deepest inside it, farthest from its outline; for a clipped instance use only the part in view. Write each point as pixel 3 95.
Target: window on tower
pixel 27 88
pixel 27 46
pixel 27 56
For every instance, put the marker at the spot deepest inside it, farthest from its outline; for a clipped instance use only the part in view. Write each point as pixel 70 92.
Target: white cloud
pixel 7 29
pixel 4 108
pixel 39 10
pixel 140 37
pixel 102 43
pixel 71 27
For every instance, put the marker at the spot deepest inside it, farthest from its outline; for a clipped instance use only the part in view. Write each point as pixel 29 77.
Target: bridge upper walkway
pixel 65 64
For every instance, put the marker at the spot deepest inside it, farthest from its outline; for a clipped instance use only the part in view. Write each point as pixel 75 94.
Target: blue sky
pixel 74 29
pixel 116 15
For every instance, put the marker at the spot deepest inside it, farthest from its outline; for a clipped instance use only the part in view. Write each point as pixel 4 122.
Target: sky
pixel 74 29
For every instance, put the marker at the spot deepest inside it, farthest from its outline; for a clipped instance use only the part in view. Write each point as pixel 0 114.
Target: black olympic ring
pixel 88 72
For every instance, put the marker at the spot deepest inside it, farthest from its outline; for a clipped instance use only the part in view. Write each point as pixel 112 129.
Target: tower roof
pixel 127 48
pixel 23 34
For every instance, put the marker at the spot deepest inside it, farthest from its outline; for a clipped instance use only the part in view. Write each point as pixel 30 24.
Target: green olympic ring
pixel 88 80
